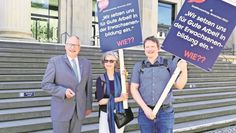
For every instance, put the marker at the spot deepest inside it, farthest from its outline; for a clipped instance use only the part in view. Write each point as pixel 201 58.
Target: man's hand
pixel 88 111
pixel 69 93
pixel 182 65
pixel 149 113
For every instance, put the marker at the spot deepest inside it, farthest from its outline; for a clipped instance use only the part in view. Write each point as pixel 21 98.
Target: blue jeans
pixel 163 123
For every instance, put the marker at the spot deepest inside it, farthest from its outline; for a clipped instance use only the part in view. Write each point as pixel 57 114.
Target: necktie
pixel 74 66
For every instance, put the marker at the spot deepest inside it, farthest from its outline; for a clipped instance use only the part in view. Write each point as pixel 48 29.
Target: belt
pixel 162 106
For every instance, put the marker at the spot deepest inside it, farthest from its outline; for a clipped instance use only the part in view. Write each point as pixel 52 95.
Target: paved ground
pixel 231 129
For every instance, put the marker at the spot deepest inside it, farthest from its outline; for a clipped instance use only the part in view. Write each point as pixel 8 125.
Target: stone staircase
pixel 207 102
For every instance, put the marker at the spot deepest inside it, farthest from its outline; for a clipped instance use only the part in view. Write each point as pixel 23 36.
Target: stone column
pixel 75 18
pixel 15 16
pixel 234 40
pixel 231 42
pixel 148 13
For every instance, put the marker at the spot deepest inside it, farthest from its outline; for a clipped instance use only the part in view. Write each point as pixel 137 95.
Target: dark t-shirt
pixel 101 91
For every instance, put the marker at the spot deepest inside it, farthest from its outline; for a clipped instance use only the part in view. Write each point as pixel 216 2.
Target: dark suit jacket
pixel 59 76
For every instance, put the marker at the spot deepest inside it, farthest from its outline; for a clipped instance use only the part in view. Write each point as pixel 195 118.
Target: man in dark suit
pixel 68 79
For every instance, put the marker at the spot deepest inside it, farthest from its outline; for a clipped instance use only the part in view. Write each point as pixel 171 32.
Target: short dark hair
pixel 153 39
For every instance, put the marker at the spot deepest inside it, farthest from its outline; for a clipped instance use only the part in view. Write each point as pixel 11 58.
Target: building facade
pixel 53 20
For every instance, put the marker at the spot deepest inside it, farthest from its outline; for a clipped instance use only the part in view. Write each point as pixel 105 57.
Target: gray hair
pixel 75 37
pixel 110 53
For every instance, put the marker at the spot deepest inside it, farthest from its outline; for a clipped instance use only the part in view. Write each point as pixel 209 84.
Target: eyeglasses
pixel 72 45
pixel 111 61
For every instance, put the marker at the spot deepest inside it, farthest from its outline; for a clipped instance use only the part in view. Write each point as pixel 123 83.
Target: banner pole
pixel 123 77
pixel 166 90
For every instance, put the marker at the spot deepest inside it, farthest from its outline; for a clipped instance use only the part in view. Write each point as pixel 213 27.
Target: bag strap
pixel 164 63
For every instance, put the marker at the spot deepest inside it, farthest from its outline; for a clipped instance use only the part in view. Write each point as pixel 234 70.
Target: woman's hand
pixel 125 73
pixel 123 97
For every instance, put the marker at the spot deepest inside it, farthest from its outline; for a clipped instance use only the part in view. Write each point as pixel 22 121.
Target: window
pixel 95 31
pixel 166 16
pixel 44 20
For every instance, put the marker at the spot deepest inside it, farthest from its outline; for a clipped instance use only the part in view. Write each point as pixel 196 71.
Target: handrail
pixel 66 35
pixel 228 51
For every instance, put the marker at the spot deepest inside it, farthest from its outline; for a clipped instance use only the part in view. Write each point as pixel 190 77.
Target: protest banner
pixel 198 35
pixel 119 24
pixel 200 31
pixel 119 27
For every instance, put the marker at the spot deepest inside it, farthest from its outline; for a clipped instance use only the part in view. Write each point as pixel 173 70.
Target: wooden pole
pixel 123 77
pixel 166 90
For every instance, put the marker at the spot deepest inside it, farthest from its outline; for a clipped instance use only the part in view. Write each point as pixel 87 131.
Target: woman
pixel 108 93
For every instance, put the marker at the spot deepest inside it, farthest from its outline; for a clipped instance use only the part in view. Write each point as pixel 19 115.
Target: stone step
pixel 211 79
pixel 26 55
pixel 23 60
pixel 224 129
pixel 34 125
pixel 29 57
pixel 204 97
pixel 40 71
pixel 24 102
pixel 204 113
pixel 129 55
pixel 38 77
pixel 32 77
pixel 198 105
pixel 34 112
pixel 27 125
pixel 58 49
pixel 18 78
pixel 28 81
pixel 38 122
pixel 205 124
pixel 216 69
pixel 37 46
pixel 21 71
pixel 37 64
pixel 38 51
pixel 24 113
pixel 7 94
pixel 12 89
pixel 44 101
pixel 222 67
pixel 211 84
pixel 22 65
pixel 205 90
pixel 187 91
pixel 20 85
pixel 55 49
pixel 199 75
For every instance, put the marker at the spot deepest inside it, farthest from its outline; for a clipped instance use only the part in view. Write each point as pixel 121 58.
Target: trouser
pixel 103 124
pixel 163 123
pixel 72 126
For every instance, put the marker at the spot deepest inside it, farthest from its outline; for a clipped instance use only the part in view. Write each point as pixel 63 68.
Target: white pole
pixel 166 90
pixel 123 78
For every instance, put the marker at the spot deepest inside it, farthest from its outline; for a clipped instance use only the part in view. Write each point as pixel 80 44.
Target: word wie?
pixel 194 56
pixel 125 41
